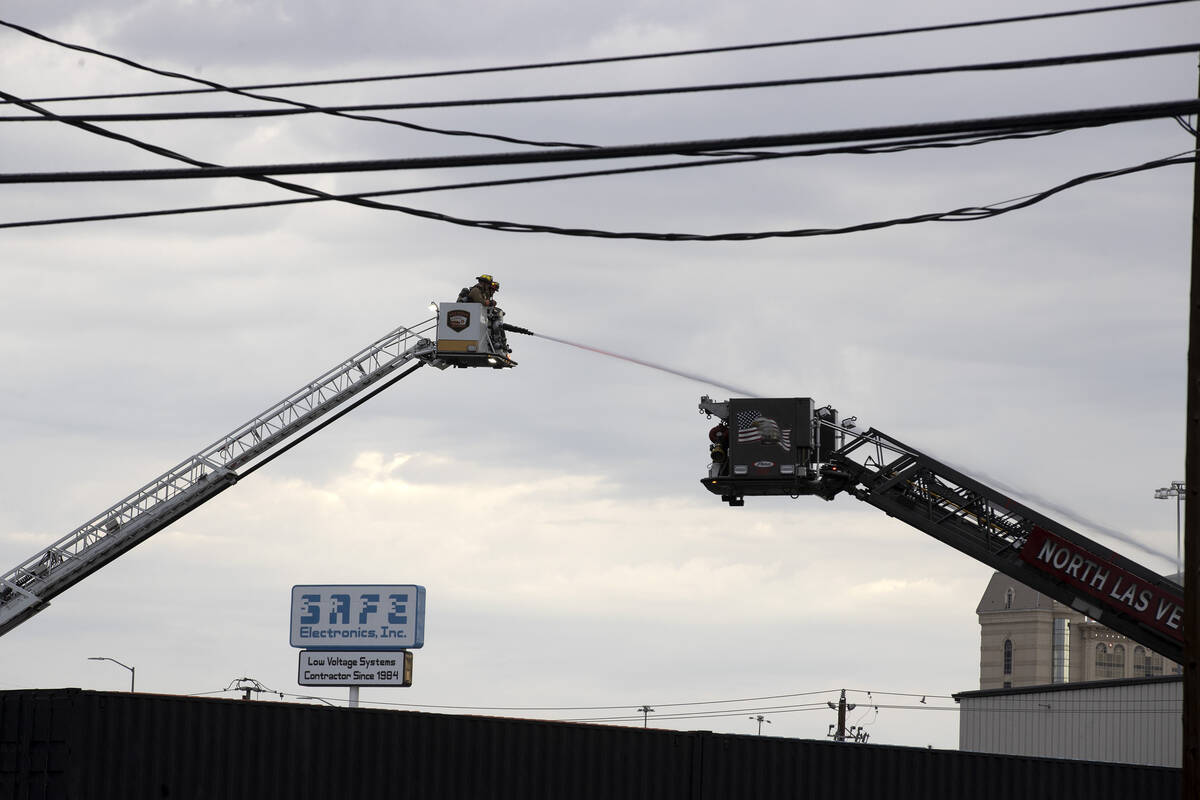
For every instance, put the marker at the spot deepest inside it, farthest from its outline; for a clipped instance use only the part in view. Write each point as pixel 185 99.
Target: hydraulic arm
pixel 27 588
pixel 823 457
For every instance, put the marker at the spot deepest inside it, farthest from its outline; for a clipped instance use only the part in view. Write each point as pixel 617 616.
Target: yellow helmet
pixel 484 277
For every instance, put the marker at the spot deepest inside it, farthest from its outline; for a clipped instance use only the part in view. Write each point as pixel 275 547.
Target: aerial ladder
pixel 787 446
pixel 460 335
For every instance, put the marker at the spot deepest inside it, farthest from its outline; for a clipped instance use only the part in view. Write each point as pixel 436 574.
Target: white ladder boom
pixel 27 588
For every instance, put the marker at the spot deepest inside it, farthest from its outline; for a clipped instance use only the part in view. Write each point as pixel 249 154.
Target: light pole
pixel 760 719
pixel 1176 490
pixel 132 670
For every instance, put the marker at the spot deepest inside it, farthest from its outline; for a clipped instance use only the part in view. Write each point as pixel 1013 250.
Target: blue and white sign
pixel 358 617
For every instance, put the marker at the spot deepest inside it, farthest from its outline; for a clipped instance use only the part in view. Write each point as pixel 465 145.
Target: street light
pixel 132 670
pixel 1176 490
pixel 760 719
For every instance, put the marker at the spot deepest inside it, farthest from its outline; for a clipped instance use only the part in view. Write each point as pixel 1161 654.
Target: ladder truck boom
pixel 786 446
pixel 27 588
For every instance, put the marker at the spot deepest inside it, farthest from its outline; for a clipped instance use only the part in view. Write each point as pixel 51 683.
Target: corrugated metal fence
pixel 69 744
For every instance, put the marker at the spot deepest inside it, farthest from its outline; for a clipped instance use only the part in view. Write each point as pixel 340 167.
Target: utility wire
pixel 1076 119
pixel 597 60
pixel 901 694
pixel 737 712
pixel 969 213
pixel 213 86
pixel 1061 705
pixel 957 215
pixel 305 108
pixel 979 126
pixel 896 147
pixel 602 708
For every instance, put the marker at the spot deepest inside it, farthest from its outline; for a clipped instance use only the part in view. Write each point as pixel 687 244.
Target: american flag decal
pixel 752 426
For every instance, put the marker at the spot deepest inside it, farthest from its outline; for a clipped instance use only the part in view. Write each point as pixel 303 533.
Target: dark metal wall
pixel 68 744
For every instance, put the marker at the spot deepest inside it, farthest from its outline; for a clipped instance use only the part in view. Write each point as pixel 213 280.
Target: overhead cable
pixel 305 108
pixel 597 60
pixel 515 227
pixel 601 708
pixel 713 714
pixel 1121 707
pixel 269 98
pixel 1053 120
pixel 894 147
pixel 739 712
pixel 965 214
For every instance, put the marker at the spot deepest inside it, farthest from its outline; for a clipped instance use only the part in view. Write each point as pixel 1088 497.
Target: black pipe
pixel 515 329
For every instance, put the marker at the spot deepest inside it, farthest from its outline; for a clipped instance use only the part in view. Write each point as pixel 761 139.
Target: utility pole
pixel 1191 524
pixel 248 685
pixel 841 708
pixel 645 711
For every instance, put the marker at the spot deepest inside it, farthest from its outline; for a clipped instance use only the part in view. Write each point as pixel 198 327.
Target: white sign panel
pixel 355 668
pixel 358 617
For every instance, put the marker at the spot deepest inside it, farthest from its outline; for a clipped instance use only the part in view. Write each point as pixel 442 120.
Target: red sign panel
pixel 1104 582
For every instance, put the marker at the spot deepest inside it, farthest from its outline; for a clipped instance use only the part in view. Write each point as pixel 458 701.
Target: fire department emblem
pixel 458 320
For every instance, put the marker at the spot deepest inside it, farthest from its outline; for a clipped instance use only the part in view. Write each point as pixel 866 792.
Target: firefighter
pixel 481 292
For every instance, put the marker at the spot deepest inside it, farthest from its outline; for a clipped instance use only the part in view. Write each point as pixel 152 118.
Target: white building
pixel 1133 721
pixel 1028 639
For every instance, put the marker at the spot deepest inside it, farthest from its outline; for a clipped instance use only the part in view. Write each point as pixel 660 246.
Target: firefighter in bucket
pixel 481 292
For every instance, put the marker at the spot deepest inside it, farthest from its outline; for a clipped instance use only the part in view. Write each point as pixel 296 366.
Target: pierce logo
pixel 764 464
pixel 458 320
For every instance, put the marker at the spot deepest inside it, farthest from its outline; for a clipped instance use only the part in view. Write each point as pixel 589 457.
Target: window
pixel 1110 661
pixel 1146 664
pixel 1008 656
pixel 1061 656
pixel 1008 598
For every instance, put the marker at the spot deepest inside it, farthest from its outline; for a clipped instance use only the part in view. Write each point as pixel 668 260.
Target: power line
pixel 957 215
pixel 586 61
pixel 1075 119
pixel 870 692
pixel 305 108
pixel 1063 706
pixel 895 147
pixel 698 715
pixel 213 86
pixel 599 708
pixel 1054 120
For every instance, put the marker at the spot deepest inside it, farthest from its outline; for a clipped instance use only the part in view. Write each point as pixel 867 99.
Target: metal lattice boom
pixel 981 522
pixel 27 588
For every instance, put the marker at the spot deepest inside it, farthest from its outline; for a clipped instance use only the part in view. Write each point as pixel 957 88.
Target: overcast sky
pixel 554 511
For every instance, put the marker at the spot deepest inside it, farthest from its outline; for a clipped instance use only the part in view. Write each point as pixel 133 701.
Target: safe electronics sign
pixel 358 617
